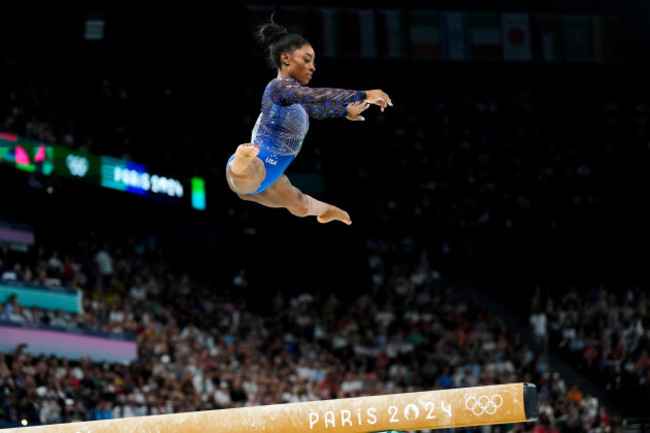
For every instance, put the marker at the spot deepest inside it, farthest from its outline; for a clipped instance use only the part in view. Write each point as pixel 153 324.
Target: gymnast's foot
pixel 333 213
pixel 243 157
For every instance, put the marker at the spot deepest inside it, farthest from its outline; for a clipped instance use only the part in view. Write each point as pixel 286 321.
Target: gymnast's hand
pixel 355 109
pixel 378 97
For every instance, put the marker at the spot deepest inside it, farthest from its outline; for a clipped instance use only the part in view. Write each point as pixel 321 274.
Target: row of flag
pixel 450 35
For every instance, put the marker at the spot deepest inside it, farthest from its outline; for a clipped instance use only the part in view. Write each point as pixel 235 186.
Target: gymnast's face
pixel 301 64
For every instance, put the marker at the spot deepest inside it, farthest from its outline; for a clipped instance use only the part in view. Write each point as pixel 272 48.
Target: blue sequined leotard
pixel 284 120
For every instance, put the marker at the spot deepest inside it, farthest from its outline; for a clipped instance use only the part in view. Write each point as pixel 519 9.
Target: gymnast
pixel 255 172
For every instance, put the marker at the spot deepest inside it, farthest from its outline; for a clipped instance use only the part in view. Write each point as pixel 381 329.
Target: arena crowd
pixel 472 173
pixel 408 332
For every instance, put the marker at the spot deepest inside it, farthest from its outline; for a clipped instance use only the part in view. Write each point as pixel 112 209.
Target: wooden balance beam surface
pixel 450 408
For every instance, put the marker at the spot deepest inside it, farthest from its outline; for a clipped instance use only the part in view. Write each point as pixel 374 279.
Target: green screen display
pixel 108 172
pixel 77 165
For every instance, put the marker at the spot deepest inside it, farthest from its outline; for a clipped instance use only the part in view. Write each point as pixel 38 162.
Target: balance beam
pixel 461 407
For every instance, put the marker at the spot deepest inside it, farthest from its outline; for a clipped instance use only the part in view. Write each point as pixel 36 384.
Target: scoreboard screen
pixel 104 171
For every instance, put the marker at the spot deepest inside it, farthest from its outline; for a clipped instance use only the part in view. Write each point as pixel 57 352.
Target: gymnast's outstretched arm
pixel 324 102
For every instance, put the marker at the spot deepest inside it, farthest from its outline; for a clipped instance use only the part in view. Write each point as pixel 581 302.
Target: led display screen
pixel 114 173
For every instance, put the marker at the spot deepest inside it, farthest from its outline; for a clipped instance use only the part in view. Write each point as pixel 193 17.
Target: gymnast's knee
pixel 242 187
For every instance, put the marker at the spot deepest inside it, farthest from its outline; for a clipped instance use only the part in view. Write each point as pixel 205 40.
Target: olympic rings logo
pixel 484 404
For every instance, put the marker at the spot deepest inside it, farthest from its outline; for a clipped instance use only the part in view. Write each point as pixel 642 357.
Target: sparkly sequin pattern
pixel 286 107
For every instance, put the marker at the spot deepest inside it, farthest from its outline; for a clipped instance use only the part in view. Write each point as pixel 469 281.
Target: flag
pixel 576 29
pixel 605 38
pixel 94 29
pixel 391 33
pixel 360 33
pixel 329 31
pixel 545 37
pixel 485 31
pixel 455 41
pixel 425 34
pixel 515 34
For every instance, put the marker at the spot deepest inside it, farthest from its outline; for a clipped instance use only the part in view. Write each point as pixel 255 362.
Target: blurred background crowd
pixel 499 227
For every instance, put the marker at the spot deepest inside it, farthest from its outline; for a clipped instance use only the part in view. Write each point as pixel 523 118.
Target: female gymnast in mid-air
pixel 255 172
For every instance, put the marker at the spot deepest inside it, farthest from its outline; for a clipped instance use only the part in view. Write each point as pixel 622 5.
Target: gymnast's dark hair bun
pixel 278 40
pixel 270 33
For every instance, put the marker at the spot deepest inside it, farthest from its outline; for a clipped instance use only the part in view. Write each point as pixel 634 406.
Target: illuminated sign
pixel 198 193
pixel 77 165
pixel 118 174
pixel 26 155
pixel 131 177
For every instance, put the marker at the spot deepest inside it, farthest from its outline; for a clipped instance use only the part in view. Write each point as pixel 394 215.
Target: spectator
pixel 50 412
pixel 538 324
pixel 13 311
pixel 26 410
pixel 104 262
pixel 125 406
pixel 102 410
pixel 574 395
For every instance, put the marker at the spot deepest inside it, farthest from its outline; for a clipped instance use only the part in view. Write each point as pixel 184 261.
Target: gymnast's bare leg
pixel 246 173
